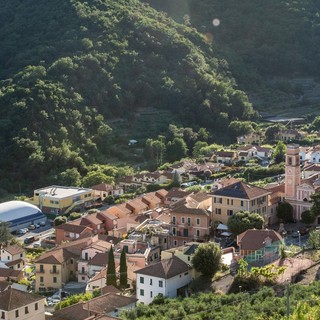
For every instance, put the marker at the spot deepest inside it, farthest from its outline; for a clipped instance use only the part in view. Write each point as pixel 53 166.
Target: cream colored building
pixel 58 199
pixel 237 197
pixel 20 305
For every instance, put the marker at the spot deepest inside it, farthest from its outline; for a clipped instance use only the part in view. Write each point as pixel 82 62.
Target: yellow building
pixel 57 199
pixel 237 197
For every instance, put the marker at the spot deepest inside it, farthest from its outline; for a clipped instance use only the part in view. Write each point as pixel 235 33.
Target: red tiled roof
pixel 102 187
pixel 165 269
pixel 241 190
pixel 13 249
pixel 11 299
pixel 254 239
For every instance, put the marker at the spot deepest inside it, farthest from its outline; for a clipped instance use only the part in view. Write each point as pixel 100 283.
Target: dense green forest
pixel 266 43
pixel 72 70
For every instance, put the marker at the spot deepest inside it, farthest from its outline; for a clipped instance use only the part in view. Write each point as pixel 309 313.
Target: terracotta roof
pixel 165 269
pixel 13 249
pixel 312 167
pixel 162 193
pixel 14 262
pixel 4 285
pixel 100 259
pixel 254 239
pixel 228 181
pixel 7 272
pixel 188 207
pixel 105 214
pixel 241 190
pixel 90 219
pixel 73 227
pixel 200 196
pixel 64 251
pixel 102 187
pixel 110 289
pixel 276 188
pixel 100 305
pixel 99 275
pixel 177 193
pixel 137 204
pixel 119 210
pixel 243 153
pixel 11 299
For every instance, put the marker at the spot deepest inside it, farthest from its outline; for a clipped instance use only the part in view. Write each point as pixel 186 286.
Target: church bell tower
pixel 292 171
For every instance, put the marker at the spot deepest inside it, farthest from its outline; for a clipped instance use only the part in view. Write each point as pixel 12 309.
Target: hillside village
pixel 158 231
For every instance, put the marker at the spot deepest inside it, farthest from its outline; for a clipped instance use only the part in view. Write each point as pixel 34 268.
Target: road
pixel 40 233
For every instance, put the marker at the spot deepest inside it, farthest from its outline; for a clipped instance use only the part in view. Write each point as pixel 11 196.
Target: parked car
pixel 37 244
pixel 30 239
pixel 38 225
pixel 295 234
pixel 22 231
pixel 32 227
pixel 42 223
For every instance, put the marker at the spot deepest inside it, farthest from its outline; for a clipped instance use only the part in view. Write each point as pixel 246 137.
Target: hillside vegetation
pixel 70 69
pixel 269 45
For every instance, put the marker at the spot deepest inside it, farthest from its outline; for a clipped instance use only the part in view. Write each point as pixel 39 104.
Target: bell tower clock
pixel 292 171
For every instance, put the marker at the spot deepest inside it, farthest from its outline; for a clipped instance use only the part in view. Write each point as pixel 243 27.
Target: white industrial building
pixel 20 214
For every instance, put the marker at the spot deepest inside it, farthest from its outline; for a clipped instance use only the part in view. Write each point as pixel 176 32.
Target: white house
pixel 165 277
pixel 13 256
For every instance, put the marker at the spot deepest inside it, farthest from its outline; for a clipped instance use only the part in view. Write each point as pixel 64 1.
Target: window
pixel 83 278
pixel 8 257
pixel 189 221
pixel 41 279
pixel 3 315
pixel 41 268
pixel 175 243
pixel 182 220
pixel 54 279
pixel 71 261
pixel 160 283
pixel 141 292
pixel 241 203
pixel 198 221
pixel 174 219
pixel 198 233
pixel 19 265
pixel 150 282
pixel 229 212
pixel 141 279
pixel 26 310
pixel 218 211
pixel 151 294
pixel 21 255
pixel 54 269
pixel 174 231
pixel 17 313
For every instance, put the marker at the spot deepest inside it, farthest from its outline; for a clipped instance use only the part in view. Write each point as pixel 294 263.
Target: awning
pixel 226 234
pixel 222 226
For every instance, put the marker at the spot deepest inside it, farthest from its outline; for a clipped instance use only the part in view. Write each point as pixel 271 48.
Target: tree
pixel 244 220
pixel 111 270
pixel 74 215
pixel 96 177
pixel 198 148
pixel 60 220
pixel 279 152
pixel 70 177
pixel 314 239
pixel 176 149
pixel 5 235
pixel 123 270
pixel 285 212
pixel 207 259
pixel 307 217
pixel 315 199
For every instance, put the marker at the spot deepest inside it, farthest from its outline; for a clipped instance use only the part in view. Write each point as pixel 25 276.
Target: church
pixel 299 187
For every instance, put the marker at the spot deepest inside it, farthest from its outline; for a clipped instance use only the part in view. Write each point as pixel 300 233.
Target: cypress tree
pixel 111 270
pixel 123 270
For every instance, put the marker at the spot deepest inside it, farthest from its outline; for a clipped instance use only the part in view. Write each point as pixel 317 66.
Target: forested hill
pixel 260 39
pixel 68 67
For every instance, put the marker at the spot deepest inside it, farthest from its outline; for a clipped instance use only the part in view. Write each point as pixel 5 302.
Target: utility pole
pixel 288 298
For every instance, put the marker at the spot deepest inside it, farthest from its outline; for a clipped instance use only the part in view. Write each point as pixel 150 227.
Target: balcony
pixel 40 271
pixel 188 225
pixel 54 271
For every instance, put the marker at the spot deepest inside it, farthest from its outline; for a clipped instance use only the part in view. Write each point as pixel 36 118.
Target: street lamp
pixel 299 235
